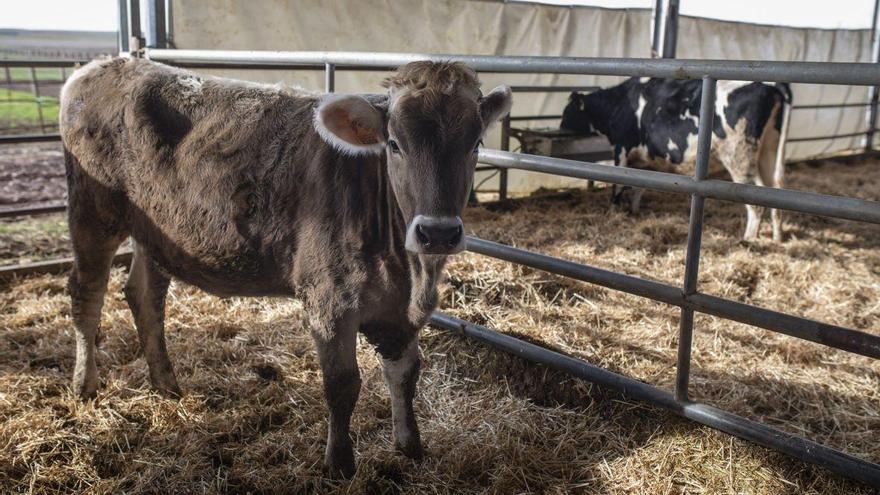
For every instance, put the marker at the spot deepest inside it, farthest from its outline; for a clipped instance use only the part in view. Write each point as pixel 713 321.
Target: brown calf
pixel 350 202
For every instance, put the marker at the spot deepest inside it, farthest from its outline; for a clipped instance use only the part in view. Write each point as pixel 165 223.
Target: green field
pixel 44 74
pixel 21 109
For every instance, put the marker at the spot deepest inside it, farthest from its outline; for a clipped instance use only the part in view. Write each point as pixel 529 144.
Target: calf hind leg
pixel 87 285
pixel 145 292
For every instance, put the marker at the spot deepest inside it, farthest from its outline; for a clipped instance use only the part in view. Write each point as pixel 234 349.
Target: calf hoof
pixel 340 463
pixel 167 388
pixel 412 449
pixel 85 383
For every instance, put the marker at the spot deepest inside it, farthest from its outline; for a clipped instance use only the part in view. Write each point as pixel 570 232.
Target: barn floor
pixel 252 419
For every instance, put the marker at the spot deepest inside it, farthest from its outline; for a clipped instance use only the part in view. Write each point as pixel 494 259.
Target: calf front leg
pixel 401 375
pixel 342 384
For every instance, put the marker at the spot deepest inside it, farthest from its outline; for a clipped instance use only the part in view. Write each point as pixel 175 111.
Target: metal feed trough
pixel 687 297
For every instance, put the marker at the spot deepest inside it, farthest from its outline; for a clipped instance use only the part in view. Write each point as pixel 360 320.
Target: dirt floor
pixel 252 419
pixel 31 173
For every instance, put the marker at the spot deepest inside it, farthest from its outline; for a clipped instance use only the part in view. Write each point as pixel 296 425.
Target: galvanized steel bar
pixel 35 86
pixel 29 138
pixel 554 89
pixel 329 78
pixel 694 240
pixel 41 63
pixel 535 117
pixel 848 73
pixel 122 39
pixel 827 138
pixel 873 91
pixel 505 145
pixel 11 211
pixel 787 199
pixel 156 24
pixel 829 105
pixel 795 446
pixel 842 338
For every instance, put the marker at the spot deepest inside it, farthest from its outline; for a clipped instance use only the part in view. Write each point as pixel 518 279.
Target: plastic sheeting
pixel 500 28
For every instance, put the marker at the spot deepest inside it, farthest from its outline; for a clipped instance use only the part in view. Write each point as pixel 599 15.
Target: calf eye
pixel 477 147
pixel 392 145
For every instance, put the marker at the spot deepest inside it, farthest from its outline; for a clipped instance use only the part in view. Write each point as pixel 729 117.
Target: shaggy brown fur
pixel 230 187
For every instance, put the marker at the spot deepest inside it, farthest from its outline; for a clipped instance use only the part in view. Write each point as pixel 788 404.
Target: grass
pixel 253 419
pixel 24 111
pixel 44 74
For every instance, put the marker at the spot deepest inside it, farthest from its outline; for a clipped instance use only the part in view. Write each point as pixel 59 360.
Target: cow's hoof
pixel 340 465
pixel 413 450
pixel 167 387
pixel 85 384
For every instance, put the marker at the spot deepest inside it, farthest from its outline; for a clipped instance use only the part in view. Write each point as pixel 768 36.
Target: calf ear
pixel 495 105
pixel 351 124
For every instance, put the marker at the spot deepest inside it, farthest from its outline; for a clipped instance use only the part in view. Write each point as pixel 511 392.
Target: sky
pixel 100 15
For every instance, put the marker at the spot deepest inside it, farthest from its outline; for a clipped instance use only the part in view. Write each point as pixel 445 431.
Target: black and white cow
pixel 652 124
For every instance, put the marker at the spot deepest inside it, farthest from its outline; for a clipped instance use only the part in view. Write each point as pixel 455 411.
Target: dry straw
pixel 253 417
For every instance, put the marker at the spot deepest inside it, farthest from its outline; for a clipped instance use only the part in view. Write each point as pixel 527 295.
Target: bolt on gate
pixel 687 297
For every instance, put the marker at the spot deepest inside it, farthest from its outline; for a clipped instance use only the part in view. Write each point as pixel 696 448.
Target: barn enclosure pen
pixel 686 296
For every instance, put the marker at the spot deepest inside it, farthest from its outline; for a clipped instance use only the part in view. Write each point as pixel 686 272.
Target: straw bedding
pixel 252 419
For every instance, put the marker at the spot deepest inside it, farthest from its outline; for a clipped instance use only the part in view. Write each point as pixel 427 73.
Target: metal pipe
pixel 29 138
pixel 847 73
pixel 694 240
pixel 664 28
pixel 505 145
pixel 795 446
pixel 42 63
pixel 553 89
pixel 873 91
pixel 828 138
pixel 122 38
pixel 787 199
pixel 156 24
pixel 136 39
pixel 329 78
pixel 39 100
pixel 32 209
pixel 829 105
pixel 535 117
pixel 842 338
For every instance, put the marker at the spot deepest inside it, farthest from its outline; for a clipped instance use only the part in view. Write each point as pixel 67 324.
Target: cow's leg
pixel 96 231
pixel 400 365
pixel 93 255
pixel 145 292
pixel 636 201
pixel 771 166
pixel 342 384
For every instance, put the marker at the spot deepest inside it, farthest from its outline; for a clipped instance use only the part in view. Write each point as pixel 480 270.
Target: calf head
pixel 428 128
pixel 577 115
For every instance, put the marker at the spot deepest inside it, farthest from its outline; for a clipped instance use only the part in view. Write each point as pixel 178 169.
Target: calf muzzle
pixel 435 235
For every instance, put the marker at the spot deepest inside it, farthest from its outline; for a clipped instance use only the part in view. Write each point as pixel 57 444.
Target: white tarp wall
pixel 498 28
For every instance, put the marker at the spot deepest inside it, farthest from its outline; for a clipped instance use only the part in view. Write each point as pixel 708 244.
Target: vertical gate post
pixel 873 90
pixel 35 86
pixel 156 24
pixel 695 237
pixel 664 29
pixel 135 36
pixel 505 146
pixel 122 40
pixel 329 78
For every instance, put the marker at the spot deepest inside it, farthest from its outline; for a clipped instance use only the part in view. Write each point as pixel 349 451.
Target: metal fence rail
pixel 687 297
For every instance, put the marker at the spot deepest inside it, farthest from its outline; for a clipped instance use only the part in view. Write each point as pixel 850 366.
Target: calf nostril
pixel 422 235
pixel 456 236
